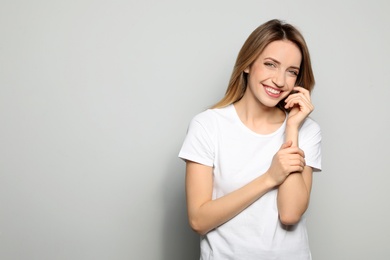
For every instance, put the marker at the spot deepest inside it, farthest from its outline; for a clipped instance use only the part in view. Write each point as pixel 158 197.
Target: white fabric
pixel 218 138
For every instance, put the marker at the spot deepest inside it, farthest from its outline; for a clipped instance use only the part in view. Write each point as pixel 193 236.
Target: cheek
pixel 285 94
pixel 291 81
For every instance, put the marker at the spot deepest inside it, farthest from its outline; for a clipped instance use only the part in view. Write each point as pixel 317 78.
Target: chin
pixel 270 104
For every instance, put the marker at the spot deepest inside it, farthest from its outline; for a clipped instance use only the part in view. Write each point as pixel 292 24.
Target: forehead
pixel 283 51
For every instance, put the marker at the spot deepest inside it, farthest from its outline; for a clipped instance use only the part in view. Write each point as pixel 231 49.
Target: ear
pixel 246 70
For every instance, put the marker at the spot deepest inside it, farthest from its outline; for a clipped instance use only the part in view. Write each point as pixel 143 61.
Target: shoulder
pixel 310 129
pixel 310 125
pixel 211 118
pixel 310 139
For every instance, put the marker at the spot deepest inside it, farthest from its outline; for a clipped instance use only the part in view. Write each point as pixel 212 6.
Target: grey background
pixel 96 97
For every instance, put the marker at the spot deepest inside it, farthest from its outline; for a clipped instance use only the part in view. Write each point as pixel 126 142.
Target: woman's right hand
pixel 289 159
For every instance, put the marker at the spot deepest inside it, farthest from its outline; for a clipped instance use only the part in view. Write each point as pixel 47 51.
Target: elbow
pixel 197 227
pixel 289 219
pixel 291 215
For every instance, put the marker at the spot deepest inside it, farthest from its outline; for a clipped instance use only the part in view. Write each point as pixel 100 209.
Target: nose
pixel 279 79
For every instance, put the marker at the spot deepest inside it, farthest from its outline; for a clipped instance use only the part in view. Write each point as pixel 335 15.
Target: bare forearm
pixel 294 192
pixel 291 134
pixel 293 199
pixel 216 212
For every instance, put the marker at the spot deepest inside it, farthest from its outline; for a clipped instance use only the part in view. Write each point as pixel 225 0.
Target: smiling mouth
pixel 273 92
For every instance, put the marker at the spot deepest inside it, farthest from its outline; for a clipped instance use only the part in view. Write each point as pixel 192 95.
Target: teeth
pixel 273 91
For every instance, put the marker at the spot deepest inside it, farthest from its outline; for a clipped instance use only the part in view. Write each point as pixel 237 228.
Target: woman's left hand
pixel 300 106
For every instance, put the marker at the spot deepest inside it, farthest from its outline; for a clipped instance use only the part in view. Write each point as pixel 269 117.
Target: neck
pixel 259 118
pixel 252 110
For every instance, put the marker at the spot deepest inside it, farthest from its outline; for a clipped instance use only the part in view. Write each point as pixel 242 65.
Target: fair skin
pixel 271 78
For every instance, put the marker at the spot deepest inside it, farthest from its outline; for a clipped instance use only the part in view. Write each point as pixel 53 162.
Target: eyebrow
pixel 278 62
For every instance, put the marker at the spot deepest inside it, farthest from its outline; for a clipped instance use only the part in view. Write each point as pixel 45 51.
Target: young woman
pixel 250 158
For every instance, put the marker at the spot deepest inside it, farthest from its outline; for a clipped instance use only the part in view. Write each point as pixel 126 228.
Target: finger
pixel 303 95
pixel 297 169
pixel 303 104
pixel 294 102
pixel 299 163
pixel 301 89
pixel 304 91
pixel 297 96
pixel 286 145
pixel 297 160
pixel 299 155
pixel 295 152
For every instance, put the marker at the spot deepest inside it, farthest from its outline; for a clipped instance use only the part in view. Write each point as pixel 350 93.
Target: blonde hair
pixel 266 33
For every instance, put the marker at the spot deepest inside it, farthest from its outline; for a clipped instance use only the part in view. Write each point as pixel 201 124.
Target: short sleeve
pixel 198 144
pixel 310 142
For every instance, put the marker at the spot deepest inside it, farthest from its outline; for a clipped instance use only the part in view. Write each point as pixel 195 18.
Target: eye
pixel 294 72
pixel 270 64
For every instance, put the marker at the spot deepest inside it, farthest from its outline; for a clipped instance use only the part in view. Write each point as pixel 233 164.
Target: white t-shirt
pixel 218 138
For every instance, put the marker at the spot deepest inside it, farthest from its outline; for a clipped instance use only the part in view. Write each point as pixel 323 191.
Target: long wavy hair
pixel 273 30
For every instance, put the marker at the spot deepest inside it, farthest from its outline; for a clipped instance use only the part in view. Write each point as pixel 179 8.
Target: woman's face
pixel 273 74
